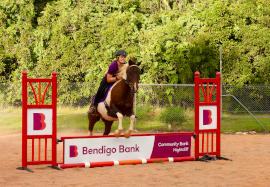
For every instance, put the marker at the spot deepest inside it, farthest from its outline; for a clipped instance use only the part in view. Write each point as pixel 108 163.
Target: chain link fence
pixel 163 107
pixel 154 99
pixel 255 98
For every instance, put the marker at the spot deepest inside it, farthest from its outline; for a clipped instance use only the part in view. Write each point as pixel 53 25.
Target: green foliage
pixel 171 39
pixel 145 112
pixel 173 116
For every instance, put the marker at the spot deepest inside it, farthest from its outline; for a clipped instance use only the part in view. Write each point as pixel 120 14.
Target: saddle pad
pixel 103 99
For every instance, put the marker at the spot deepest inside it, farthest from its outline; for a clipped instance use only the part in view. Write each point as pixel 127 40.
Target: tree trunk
pixel 167 6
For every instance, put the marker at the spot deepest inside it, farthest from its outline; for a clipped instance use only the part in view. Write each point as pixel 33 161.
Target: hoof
pixel 90 133
pixel 128 133
pixel 117 133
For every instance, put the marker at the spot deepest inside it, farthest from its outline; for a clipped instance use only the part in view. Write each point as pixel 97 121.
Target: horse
pixel 118 102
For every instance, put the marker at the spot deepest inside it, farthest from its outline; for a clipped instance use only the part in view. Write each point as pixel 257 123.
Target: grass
pixel 10 121
pixel 234 123
pixel 148 120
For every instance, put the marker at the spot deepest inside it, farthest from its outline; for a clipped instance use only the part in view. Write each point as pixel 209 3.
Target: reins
pixel 130 86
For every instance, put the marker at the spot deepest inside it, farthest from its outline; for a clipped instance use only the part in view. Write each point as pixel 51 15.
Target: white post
pixel 220 70
pixel 135 104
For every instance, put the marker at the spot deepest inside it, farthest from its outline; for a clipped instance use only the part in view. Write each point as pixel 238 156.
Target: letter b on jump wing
pixel 39 123
pixel 207 117
pixel 73 151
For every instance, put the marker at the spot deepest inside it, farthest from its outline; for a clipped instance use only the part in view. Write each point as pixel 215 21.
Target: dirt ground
pixel 250 166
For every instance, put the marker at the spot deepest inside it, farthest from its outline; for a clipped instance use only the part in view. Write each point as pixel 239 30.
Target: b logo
pixel 73 151
pixel 207 117
pixel 39 123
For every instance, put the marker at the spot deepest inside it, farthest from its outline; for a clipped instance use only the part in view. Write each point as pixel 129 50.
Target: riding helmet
pixel 121 52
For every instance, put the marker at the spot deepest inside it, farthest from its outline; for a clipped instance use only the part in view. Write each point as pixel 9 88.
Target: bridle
pixel 128 83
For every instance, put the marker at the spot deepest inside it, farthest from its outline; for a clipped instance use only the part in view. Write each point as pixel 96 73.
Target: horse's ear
pixel 132 61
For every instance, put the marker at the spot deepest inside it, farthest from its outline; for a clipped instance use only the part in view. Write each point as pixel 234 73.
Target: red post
pixel 24 119
pixel 218 98
pixel 196 108
pixel 54 123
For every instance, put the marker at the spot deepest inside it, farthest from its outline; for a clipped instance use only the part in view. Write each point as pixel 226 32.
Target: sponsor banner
pixel 39 121
pixel 80 150
pixel 171 146
pixel 207 117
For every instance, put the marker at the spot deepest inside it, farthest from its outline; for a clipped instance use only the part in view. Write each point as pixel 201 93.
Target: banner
pixel 81 149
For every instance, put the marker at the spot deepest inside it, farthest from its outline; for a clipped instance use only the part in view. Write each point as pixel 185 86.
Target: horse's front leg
pixel 120 127
pixel 129 131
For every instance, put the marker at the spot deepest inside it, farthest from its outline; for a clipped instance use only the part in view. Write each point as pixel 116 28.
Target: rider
pixel 109 79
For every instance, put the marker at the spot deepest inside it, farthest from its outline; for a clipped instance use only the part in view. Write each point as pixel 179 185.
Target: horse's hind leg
pixel 108 126
pixel 92 118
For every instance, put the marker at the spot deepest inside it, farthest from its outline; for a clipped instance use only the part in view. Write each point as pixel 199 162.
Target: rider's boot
pixel 93 110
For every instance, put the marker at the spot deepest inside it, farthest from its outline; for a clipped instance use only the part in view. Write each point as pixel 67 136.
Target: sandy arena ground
pixel 250 166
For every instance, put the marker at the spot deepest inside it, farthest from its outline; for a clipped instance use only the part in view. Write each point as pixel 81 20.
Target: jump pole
pixel 126 162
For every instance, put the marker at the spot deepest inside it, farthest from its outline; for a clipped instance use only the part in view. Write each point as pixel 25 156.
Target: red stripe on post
pixel 207 142
pixel 39 93
pixel 130 162
pixel 34 93
pixel 212 144
pixel 45 93
pixel 212 89
pixel 208 92
pixel 101 164
pixel 63 166
pixel 205 99
pixel 202 142
pixel 157 160
pixel 45 149
pixel 182 159
pixel 39 149
pixel 33 149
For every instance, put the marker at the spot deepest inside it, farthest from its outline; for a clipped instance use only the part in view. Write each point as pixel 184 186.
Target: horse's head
pixel 133 74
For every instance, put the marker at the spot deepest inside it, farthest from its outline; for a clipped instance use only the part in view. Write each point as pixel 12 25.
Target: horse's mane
pixel 122 71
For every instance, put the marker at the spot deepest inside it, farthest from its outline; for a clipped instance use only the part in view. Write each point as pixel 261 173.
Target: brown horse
pixel 119 102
